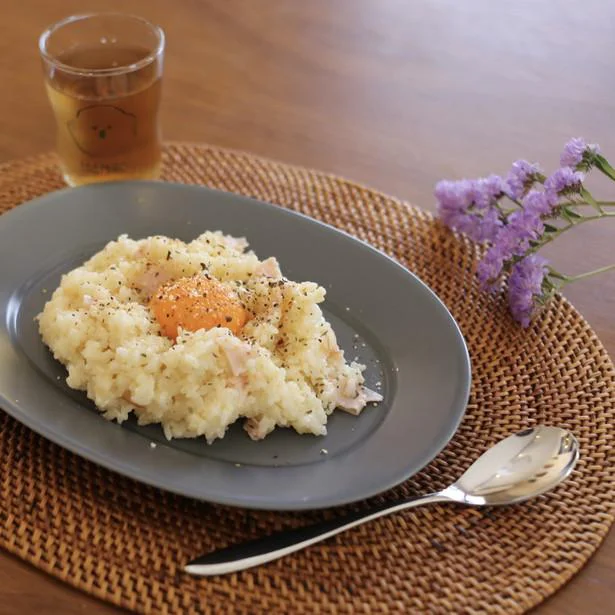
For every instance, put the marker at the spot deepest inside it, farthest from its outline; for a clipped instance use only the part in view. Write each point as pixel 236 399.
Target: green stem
pixel 507 211
pixel 602 164
pixel 557 233
pixel 587 195
pixel 587 274
pixel 601 203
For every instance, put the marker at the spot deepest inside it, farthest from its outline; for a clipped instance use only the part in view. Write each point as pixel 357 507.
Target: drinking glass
pixel 103 74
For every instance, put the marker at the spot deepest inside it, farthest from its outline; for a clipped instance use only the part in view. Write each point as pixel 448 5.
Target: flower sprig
pixel 519 214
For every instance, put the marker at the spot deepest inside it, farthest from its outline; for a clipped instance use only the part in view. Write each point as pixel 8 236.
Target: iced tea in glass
pixel 103 77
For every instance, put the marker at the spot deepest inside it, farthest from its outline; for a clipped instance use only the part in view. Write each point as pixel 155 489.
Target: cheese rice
pixel 195 336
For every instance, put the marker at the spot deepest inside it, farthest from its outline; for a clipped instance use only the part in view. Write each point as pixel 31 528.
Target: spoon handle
pixel 255 552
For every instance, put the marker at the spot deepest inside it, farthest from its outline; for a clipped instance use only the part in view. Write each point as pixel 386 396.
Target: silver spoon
pixel 517 468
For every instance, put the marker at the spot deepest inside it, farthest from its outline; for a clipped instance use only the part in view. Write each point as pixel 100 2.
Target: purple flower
pixel 564 180
pixel 454 200
pixel 513 238
pixel 487 227
pixel 520 177
pixel 467 206
pixel 467 193
pixel 490 267
pixel 540 203
pixel 468 224
pixel 524 286
pixel 453 195
pixel 489 190
pixel 578 153
pixel 525 224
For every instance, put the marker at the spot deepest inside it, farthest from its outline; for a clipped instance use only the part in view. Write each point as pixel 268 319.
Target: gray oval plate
pixel 381 313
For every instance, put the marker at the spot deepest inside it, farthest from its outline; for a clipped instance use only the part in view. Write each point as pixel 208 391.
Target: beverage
pixel 105 95
pixel 107 127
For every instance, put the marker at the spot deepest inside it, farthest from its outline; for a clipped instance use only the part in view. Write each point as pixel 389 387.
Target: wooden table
pixel 392 93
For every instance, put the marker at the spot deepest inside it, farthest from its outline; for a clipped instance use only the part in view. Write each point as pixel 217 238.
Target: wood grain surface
pixel 392 93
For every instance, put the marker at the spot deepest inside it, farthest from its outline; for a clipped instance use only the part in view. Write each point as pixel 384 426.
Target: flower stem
pixel 587 274
pixel 601 203
pixel 603 165
pixel 563 229
pixel 587 195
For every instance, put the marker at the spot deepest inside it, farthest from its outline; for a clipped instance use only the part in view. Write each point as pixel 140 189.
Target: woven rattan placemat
pixel 125 542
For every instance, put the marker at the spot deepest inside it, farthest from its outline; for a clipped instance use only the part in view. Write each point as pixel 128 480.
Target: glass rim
pixel 96 72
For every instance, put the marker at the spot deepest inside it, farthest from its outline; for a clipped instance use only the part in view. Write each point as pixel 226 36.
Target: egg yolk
pixel 194 303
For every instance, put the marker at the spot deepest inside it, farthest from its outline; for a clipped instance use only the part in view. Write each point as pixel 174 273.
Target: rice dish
pixel 195 336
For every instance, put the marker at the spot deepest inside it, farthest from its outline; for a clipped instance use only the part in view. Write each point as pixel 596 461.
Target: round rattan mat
pixel 125 543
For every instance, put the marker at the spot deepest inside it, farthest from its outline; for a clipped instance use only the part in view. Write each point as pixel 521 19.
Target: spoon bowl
pixel 519 467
